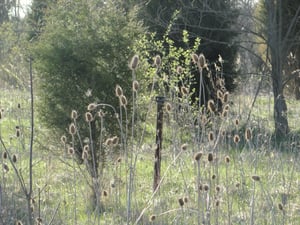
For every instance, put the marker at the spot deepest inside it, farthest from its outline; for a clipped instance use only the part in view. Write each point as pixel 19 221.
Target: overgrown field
pixel 231 171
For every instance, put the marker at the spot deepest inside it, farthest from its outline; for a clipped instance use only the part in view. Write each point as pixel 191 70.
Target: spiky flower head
pixel 134 62
pixel 72 129
pixel 135 85
pixel 74 115
pixel 88 117
pixel 157 61
pixel 92 107
pixel 118 91
pixel 201 61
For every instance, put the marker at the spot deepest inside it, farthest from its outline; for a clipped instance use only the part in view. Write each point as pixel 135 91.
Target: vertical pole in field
pixel 159 128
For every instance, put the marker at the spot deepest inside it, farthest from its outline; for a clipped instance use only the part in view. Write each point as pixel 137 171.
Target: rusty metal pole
pixel 159 128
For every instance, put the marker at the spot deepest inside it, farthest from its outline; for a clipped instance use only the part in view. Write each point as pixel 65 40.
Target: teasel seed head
pixel 72 129
pixel 210 157
pixel 201 61
pixel 236 122
pixel 115 141
pixel 123 100
pixel 157 61
pixel 0 114
pixel 71 150
pixel 88 117
pixel 100 113
pixel 181 202
pixel 217 203
pixel 227 159
pixel 195 58
pixel 84 155
pixel 135 85
pixel 280 206
pixel 219 94
pixel 184 147
pixel 218 188
pixel 108 142
pixel 236 138
pixel 211 136
pixel 224 114
pixel 39 221
pixel 134 62
pixel 118 91
pixel 74 115
pixel 256 178
pixel 225 97
pixel 105 193
pixel 92 107
pixel 18 131
pixel 168 107
pixel 19 222
pixel 179 70
pixel 4 155
pixel 186 199
pixel 248 134
pixel 14 158
pixel 226 107
pixel 206 187
pixel 184 90
pixel 211 106
pixel 152 218
pixel 200 187
pixel 119 159
pixel 5 168
pixel 63 139
pixel 198 156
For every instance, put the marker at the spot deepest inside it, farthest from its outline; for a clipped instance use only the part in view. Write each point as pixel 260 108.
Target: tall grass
pixel 216 168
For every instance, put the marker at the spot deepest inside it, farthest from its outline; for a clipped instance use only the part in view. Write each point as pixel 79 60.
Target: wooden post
pixel 159 128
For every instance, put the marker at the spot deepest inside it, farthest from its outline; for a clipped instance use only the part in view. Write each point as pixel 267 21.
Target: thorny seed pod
pixel 74 115
pixel 256 178
pixel 186 199
pixel 200 187
pixel 210 157
pixel 134 62
pixel 168 107
pixel 71 150
pixel 225 97
pixel 105 193
pixel 18 131
pixel 152 218
pixel 19 222
pixel 195 58
pixel 248 134
pixel 88 117
pixel 224 113
pixel 181 202
pixel 214 176
pixel 157 61
pixel 211 106
pixel 184 147
pixel 227 159
pixel 219 94
pixel 39 221
pixel 118 91
pixel 123 100
pixel 92 107
pixel 179 70
pixel 201 61
pixel 236 138
pixel 218 188
pixel 135 85
pixel 115 140
pixel 119 160
pixel 5 168
pixel 184 90
pixel 280 206
pixel 84 155
pixel 14 158
pixel 236 122
pixel 217 203
pixel 63 139
pixel 4 155
pixel 101 114
pixel 108 142
pixel 198 155
pixel 206 187
pixel 211 136
pixel 226 107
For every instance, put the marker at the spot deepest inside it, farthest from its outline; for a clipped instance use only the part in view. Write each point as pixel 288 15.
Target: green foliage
pixel 80 56
pixel 211 21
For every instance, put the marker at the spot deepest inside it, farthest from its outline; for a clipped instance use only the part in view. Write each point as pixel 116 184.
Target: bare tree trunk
pixel 278 54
